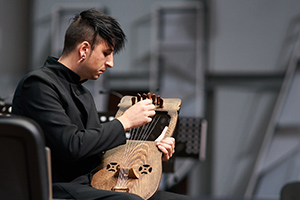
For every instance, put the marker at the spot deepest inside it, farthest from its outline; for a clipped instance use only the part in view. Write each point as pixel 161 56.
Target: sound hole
pixel 112 167
pixel 145 169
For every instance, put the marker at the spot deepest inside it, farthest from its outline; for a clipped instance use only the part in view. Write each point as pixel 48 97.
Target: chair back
pixel 23 160
pixel 290 191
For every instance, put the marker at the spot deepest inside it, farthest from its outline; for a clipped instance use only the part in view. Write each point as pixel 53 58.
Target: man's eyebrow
pixel 109 49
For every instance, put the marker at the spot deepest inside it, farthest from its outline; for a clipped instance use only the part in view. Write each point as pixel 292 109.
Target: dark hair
pixel 88 25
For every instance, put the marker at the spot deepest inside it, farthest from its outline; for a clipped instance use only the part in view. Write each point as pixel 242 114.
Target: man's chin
pixel 95 77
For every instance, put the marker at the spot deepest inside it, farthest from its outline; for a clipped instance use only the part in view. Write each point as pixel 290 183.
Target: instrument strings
pixel 137 137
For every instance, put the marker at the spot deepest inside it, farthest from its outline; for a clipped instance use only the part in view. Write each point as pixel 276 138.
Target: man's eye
pixel 106 54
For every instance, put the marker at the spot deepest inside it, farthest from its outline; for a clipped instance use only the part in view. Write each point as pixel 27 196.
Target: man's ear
pixel 84 49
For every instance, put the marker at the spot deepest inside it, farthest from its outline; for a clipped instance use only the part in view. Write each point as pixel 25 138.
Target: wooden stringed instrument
pixel 136 167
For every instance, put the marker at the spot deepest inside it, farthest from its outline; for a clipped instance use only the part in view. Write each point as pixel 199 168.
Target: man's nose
pixel 110 61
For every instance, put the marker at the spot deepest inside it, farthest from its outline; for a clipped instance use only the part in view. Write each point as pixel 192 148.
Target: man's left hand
pixel 166 145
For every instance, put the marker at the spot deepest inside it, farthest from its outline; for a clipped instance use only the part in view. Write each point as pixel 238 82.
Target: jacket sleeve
pixel 43 102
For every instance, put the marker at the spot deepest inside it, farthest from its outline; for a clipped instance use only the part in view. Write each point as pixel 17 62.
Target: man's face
pixel 97 61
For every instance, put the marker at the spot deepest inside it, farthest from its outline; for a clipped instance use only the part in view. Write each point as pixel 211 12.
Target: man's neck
pixel 68 61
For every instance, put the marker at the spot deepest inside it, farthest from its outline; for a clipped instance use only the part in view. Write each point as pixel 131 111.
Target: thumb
pixel 162 135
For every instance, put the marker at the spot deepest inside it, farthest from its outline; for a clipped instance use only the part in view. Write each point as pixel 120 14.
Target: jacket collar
pixel 62 71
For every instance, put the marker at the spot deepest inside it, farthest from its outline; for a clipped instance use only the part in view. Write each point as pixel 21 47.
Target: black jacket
pixel 54 97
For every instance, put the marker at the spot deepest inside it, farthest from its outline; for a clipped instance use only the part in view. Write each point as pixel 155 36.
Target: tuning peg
pixel 133 100
pixel 158 100
pixel 144 96
pixel 138 97
pixel 153 98
pixel 161 103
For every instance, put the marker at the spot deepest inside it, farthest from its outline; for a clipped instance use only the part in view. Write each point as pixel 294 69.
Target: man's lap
pixel 81 189
pixel 86 192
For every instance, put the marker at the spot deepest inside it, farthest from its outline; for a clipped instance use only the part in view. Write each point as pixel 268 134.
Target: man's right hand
pixel 138 114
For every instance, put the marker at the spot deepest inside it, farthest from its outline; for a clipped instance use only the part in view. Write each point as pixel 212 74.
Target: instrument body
pixel 147 170
pixel 136 167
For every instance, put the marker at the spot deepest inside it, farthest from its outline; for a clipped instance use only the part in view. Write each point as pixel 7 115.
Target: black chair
pixel 290 191
pixel 24 173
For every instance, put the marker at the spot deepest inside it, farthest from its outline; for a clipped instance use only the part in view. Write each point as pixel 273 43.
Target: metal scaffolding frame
pixel 258 169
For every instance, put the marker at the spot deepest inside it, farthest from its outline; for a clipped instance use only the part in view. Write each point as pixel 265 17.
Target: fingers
pixel 144 110
pixel 138 114
pixel 149 108
pixel 167 147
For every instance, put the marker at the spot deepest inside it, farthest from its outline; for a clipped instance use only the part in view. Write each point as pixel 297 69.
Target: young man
pixel 54 97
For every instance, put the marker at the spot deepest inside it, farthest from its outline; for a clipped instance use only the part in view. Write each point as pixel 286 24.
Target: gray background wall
pixel 14 44
pixel 243 36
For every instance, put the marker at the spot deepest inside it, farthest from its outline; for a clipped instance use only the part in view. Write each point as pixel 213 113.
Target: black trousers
pixel 80 189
